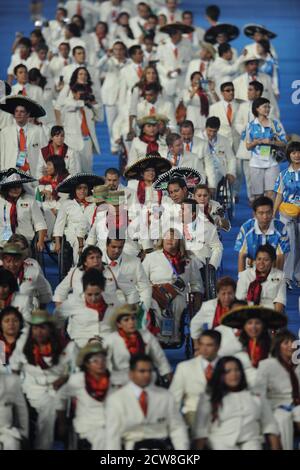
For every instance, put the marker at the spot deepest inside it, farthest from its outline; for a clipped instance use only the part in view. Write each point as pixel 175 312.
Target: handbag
pixel 277 152
pixel 163 294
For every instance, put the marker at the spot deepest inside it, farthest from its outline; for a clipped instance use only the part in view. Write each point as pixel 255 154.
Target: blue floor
pixel 281 16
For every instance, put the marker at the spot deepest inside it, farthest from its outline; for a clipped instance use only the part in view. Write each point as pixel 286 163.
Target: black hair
pixel 115 235
pixel 56 130
pixel 152 87
pixel 42 47
pixel 171 138
pixel 213 122
pixel 8 311
pixel 216 387
pixel 74 77
pixel 281 336
pixel 187 12
pixel 87 252
pixel 81 21
pixel 214 335
pixel 213 12
pixel 197 72
pixel 262 201
pixel 133 49
pixel 136 358
pixel 54 340
pixel 5 189
pixel 225 281
pixel 265 44
pixel 187 123
pixel 59 165
pixel 19 66
pixel 93 277
pixel 292 147
pixel 74 30
pixel 223 48
pixel 35 75
pixel 226 84
pixel 113 171
pixel 25 42
pixel 257 86
pixel 257 103
pixel 102 23
pixel 267 248
pixel 72 194
pixel 8 279
pixel 180 181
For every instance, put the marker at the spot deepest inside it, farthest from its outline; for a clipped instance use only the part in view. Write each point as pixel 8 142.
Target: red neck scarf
pixel 255 288
pixel 13 215
pixel 82 203
pixel 39 352
pixel 219 312
pixel 8 347
pixel 204 106
pixel 49 150
pixel 53 181
pixel 177 261
pixel 134 342
pixel 256 352
pixel 152 146
pixel 290 368
pixel 141 193
pixel 100 308
pixel 97 388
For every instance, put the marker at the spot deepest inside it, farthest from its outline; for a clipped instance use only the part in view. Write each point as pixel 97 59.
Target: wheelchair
pixel 225 197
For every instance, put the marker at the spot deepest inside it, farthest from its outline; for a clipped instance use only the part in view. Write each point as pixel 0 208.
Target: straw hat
pixel 209 47
pixel 98 194
pixel 153 119
pixel 12 249
pixel 39 317
pixel 94 347
pixel 125 309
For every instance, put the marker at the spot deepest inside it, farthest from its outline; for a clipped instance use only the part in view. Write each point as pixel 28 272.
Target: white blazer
pixel 194 66
pixel 193 109
pixel 73 220
pixel 34 283
pixel 228 131
pixel 110 90
pixel 118 356
pixel 273 289
pixel 242 418
pixel 126 421
pixel 9 147
pixel 138 150
pixel 224 160
pixel 161 106
pixel 32 91
pixel 168 62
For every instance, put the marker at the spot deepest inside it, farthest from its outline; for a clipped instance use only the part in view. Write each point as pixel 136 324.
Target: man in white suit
pixel 225 68
pixel 79 60
pixel 251 64
pixel 140 412
pixel 22 87
pixel 203 64
pixel 154 104
pixel 79 116
pixel 20 143
pixel 138 22
pixel 191 377
pixel 62 59
pixel 171 11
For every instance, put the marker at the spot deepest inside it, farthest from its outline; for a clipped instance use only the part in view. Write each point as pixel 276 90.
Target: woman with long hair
pixel 212 209
pixel 279 380
pixel 197 102
pixel 10 296
pixel 170 270
pixel 11 326
pixel 229 417
pixel 44 360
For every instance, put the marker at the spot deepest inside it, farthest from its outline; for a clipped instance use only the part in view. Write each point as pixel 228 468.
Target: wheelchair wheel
pixel 209 277
pixel 65 259
pixel 225 197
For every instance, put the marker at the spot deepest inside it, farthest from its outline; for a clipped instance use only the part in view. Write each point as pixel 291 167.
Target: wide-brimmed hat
pixel 250 58
pixel 151 119
pixel 125 309
pixel 170 28
pixel 250 29
pixel 13 176
pixel 33 108
pixel 68 184
pixel 191 176
pixel 98 194
pixel 94 347
pixel 237 317
pixel 209 47
pixel 115 198
pixel 231 31
pixel 39 317
pixel 160 164
pixel 11 248
pixel 162 117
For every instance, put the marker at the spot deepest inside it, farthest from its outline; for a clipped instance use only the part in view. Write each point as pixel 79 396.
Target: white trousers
pixel 111 114
pixel 85 156
pixel 292 259
pixel 285 420
pixel 10 439
pixel 218 444
pixel 44 431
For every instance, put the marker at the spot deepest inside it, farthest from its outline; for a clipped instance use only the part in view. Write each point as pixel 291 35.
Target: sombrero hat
pixel 98 194
pixel 172 27
pixel 68 184
pixel 160 164
pixel 191 176
pixel 209 47
pixel 13 176
pixel 33 108
pixel 126 309
pixel 250 58
pixel 231 31
pixel 250 29
pixel 237 317
pixel 94 347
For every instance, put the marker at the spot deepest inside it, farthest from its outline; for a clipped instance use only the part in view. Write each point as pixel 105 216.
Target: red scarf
pixel 100 308
pixel 256 352
pixel 97 388
pixel 141 193
pixel 49 150
pixel 13 215
pixel 204 106
pixel 290 368
pixel 82 203
pixel 134 342
pixel 39 352
pixel 53 181
pixel 219 312
pixel 177 261
pixel 8 348
pixel 255 288
pixel 152 146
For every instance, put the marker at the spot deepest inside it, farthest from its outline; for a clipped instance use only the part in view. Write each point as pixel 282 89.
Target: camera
pixel 87 97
